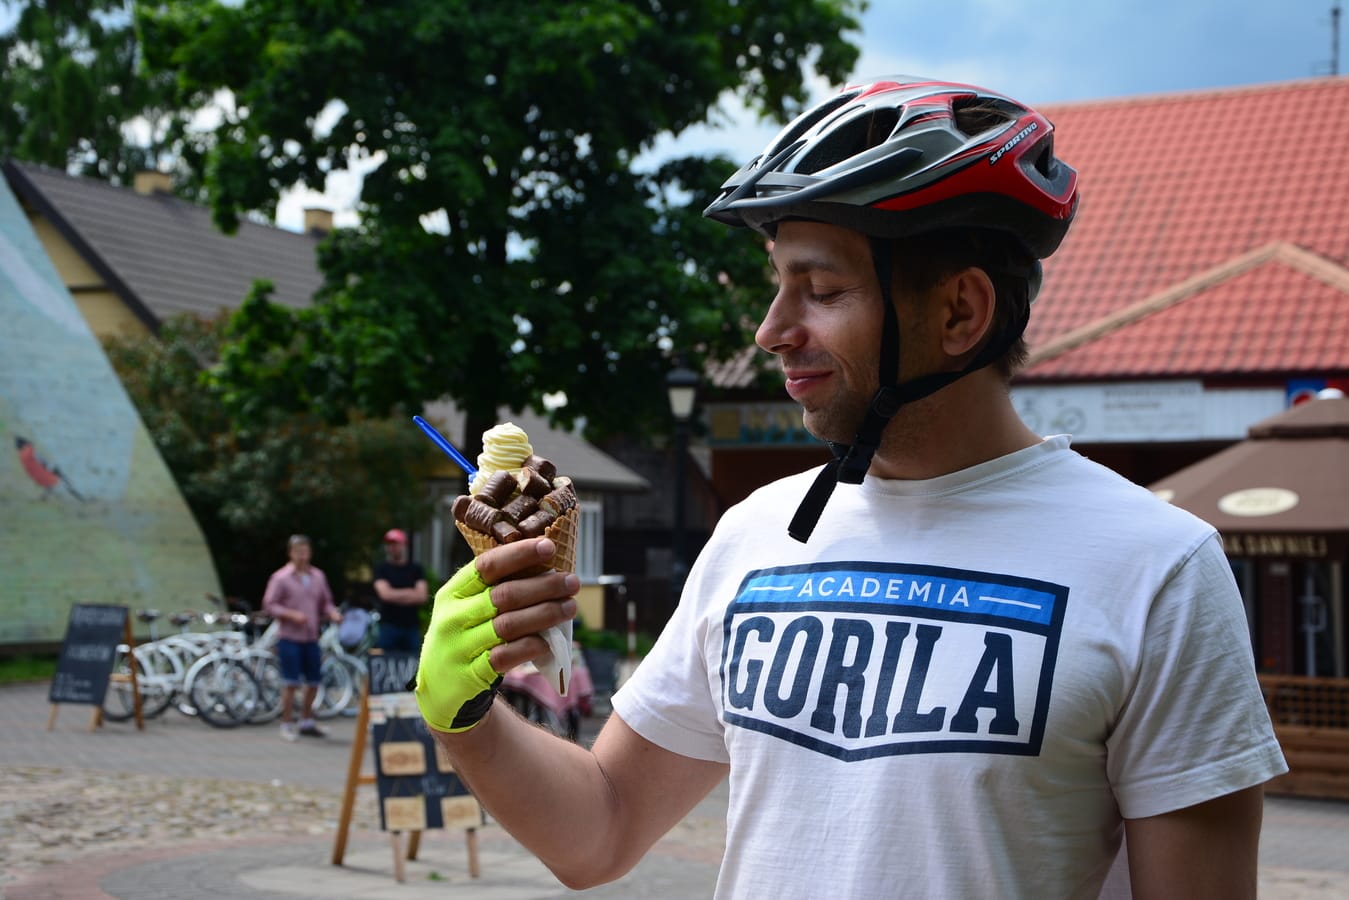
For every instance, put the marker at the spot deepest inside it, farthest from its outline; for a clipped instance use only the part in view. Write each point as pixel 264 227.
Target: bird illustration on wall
pixel 44 475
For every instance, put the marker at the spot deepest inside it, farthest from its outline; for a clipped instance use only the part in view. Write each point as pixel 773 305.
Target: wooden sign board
pixel 391 673
pixel 417 787
pixel 87 653
pixel 416 783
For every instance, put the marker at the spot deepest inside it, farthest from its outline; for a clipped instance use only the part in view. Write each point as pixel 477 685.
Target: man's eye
pixel 824 296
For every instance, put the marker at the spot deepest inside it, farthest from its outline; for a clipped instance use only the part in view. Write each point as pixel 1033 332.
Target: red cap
pixel 395 536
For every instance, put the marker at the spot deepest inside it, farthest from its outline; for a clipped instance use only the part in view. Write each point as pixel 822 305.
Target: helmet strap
pixel 851 461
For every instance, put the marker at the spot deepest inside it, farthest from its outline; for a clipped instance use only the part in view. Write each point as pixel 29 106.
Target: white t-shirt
pixel 959 686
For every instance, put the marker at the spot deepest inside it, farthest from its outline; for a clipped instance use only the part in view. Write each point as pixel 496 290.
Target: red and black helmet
pixel 895 156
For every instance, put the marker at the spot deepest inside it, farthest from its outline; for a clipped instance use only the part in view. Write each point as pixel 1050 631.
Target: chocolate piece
pixel 559 501
pixel 543 466
pixel 532 483
pixel 520 508
pixel 480 517
pixel 460 506
pixel 534 525
pixel 497 490
pixel 504 532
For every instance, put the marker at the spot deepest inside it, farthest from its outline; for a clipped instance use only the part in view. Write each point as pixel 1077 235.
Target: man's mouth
pixel 801 382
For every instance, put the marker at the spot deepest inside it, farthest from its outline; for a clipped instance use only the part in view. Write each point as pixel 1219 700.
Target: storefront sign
pixel 1296 546
pixel 1262 501
pixel 741 424
pixel 1144 411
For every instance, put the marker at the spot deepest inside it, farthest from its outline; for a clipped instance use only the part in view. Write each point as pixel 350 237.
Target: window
pixel 590 541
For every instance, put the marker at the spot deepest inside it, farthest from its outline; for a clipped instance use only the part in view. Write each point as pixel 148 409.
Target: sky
pixel 1036 51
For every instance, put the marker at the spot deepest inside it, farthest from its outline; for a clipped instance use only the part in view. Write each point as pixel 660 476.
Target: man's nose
pixel 779 331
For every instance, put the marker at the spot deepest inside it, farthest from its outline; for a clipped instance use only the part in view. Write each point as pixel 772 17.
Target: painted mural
pixel 89 513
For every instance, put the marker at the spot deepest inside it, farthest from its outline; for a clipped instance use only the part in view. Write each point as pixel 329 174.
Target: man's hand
pixel 483 624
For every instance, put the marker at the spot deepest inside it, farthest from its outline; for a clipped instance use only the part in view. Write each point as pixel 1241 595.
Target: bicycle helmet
pixel 900 156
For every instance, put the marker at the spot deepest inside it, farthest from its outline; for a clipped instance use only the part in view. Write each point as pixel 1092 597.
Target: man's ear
pixel 968 304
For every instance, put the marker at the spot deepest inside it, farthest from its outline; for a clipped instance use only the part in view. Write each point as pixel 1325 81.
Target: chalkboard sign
pixel 390 673
pixel 417 786
pixel 87 653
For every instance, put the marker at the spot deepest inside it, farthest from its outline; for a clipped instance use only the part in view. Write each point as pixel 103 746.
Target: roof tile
pixel 1271 318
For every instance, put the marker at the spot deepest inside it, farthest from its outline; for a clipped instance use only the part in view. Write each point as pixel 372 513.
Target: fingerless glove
pixel 455 683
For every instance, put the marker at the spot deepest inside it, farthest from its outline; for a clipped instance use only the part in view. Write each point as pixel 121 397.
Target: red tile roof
pixel 1188 201
pixel 1279 309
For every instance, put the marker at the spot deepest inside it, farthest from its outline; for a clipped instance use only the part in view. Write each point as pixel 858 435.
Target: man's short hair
pixel 298 539
pixel 922 261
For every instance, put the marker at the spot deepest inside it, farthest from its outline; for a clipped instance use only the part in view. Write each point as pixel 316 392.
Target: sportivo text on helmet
pixel 902 155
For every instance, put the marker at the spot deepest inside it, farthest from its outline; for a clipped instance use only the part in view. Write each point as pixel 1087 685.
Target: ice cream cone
pixel 478 542
pixel 563 532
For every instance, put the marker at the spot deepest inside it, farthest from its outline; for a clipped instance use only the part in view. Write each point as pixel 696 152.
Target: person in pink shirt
pixel 298 598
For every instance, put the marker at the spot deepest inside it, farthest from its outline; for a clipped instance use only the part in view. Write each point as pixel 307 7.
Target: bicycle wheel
pixel 336 689
pixel 223 691
pixel 267 671
pixel 155 679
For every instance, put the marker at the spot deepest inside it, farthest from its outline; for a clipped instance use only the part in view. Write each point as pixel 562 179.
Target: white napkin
pixel 556 665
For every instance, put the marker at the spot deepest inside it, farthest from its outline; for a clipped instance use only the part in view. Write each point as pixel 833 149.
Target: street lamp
pixel 681 385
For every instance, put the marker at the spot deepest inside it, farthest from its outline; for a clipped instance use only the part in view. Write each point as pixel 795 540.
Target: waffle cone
pixel 563 532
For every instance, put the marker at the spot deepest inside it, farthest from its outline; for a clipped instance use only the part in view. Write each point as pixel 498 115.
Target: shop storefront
pixel 1280 499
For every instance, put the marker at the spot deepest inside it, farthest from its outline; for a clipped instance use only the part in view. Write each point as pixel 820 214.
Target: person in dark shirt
pixel 401 587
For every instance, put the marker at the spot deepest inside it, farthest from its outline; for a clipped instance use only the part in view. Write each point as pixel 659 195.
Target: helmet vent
pixel 974 116
pixel 805 122
pixel 850 139
pixel 1044 160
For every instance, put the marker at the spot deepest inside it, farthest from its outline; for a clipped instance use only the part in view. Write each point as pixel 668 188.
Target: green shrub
pixel 15 669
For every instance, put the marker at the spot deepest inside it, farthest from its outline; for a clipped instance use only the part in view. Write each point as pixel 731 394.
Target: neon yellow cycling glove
pixel 455 682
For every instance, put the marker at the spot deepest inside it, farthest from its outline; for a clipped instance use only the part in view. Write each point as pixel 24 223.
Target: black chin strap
pixel 851 461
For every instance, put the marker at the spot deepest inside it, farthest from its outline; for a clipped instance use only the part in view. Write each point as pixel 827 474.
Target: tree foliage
pixel 73 94
pixel 252 484
pixel 507 247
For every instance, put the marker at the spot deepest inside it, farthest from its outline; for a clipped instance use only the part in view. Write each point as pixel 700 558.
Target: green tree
pixel 252 484
pixel 74 95
pixel 507 247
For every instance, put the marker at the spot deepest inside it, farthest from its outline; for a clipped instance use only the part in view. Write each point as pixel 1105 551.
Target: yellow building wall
pixel 105 312
pixel 108 316
pixel 590 606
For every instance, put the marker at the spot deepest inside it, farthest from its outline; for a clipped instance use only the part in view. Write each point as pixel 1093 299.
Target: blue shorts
pixel 299 662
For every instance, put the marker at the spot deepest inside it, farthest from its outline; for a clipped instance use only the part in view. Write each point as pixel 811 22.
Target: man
pixel 401 587
pixel 959 660
pixel 298 598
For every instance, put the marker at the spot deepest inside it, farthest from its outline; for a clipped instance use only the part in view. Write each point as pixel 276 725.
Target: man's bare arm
pixel 1206 850
pixel 589 816
pixel 407 596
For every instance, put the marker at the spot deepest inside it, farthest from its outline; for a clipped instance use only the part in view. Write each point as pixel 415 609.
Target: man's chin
pixel 824 428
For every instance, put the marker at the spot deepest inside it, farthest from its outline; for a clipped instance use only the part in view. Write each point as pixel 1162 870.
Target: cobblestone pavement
pixel 182 810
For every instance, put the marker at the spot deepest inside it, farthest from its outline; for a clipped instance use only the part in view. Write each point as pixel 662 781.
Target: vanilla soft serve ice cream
pixel 504 449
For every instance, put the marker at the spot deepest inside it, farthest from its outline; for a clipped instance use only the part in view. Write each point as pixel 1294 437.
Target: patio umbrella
pixel 1282 495
pixel 1282 492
